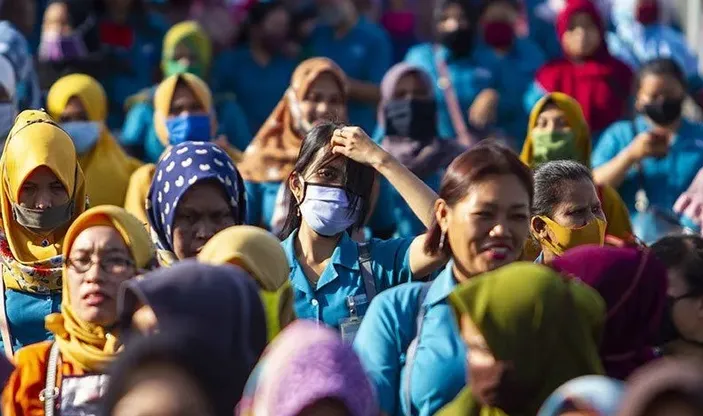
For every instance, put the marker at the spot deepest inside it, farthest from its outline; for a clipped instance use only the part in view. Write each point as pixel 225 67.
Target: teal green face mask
pixel 176 67
pixel 555 145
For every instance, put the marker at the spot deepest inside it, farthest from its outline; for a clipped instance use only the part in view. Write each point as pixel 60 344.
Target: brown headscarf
pixel 270 157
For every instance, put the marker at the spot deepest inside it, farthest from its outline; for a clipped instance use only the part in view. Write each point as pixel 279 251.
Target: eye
pixel 29 187
pixel 57 187
pixel 519 216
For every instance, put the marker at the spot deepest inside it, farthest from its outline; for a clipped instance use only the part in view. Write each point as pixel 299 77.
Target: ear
pixel 539 229
pixel 442 214
pixel 297 188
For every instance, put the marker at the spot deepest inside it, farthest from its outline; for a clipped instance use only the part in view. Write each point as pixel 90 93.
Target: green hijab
pixel 547 326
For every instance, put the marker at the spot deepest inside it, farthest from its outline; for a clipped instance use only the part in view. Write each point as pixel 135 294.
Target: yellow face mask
pixel 568 238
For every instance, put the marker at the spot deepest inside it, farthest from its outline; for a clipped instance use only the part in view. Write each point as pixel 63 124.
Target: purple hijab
pixel 633 284
pixel 422 158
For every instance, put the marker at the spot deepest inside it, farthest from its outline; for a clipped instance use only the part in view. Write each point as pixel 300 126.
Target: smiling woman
pixel 104 247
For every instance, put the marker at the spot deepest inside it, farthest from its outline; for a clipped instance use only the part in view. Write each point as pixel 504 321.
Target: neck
pixel 461 275
pixel 685 348
pixel 259 53
pixel 313 248
pixel 548 256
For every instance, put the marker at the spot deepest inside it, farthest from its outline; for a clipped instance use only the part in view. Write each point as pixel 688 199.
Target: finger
pixel 338 141
pixel 340 150
pixel 682 203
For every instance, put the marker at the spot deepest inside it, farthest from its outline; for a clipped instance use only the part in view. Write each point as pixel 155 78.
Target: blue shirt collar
pixel 442 286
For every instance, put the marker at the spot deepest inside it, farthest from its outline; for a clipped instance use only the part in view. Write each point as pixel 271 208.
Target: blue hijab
pixel 181 167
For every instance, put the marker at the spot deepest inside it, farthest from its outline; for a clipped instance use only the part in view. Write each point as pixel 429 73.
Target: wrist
pixel 631 156
pixel 380 160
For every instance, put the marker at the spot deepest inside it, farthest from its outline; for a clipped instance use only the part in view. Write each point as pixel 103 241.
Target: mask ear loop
pixel 633 285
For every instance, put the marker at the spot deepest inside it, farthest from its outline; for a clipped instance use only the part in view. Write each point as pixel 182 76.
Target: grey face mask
pixel 45 219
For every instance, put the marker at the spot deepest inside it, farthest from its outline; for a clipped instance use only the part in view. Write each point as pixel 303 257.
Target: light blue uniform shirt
pixel 261 202
pixel 342 278
pixel 439 369
pixel 364 54
pixel 236 71
pixel 469 76
pixel 664 179
pixel 25 316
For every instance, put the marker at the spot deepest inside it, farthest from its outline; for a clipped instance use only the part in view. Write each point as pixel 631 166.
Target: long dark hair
pixel 357 179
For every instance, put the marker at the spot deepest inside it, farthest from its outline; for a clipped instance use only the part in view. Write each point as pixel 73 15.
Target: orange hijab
pixel 270 157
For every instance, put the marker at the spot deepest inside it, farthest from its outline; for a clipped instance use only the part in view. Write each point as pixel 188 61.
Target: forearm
pixel 364 91
pixel 419 197
pixel 613 173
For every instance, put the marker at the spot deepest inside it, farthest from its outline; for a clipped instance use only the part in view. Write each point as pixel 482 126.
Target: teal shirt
pixel 138 130
pixel 261 202
pixel 142 59
pixel 390 325
pixel 516 71
pixel 469 76
pixel 25 315
pixel 364 54
pixel 665 179
pixel 235 71
pixel 342 278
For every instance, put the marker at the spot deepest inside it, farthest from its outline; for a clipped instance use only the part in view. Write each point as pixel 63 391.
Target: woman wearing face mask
pixel 407 123
pixel 566 212
pixel 587 72
pixel 79 103
pixel 43 191
pixel 103 247
pixel 407 341
pixel 8 97
pixel 186 49
pixel 259 253
pixel 70 42
pixel 335 385
pixel 333 277
pixel 681 333
pixel 527 331
pixel 652 159
pixel 518 58
pixel 196 192
pixel 259 54
pixel 466 89
pixel 318 91
pixel 558 131
pixel 632 282
pixel 183 112
pixel 644 31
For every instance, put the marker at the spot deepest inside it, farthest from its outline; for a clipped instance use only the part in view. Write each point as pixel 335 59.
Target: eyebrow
pixel 496 206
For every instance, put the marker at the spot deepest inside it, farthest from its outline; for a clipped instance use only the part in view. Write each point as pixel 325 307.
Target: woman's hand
pixel 483 112
pixel 649 144
pixel 355 144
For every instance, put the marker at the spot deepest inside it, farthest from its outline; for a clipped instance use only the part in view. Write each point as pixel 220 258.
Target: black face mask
pixel 664 112
pixel 458 41
pixel 413 118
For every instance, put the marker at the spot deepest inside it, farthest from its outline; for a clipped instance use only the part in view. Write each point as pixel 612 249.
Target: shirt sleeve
pixel 608 146
pixel 390 260
pixel 382 340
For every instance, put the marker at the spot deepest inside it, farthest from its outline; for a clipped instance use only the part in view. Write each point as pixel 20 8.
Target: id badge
pixel 80 396
pixel 349 327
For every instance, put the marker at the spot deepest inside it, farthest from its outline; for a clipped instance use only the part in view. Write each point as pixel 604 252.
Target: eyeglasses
pixel 111 265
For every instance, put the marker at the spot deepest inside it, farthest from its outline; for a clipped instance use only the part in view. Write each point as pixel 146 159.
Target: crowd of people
pixel 350 208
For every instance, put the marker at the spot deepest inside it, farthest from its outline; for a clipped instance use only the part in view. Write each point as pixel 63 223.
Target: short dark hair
pixel 550 179
pixel 476 164
pixel 662 67
pixel 357 180
pixel 683 253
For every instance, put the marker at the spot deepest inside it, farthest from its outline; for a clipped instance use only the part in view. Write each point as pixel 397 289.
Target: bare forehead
pixel 99 236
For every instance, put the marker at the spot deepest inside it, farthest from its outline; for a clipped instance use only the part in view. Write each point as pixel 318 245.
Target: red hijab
pixel 600 83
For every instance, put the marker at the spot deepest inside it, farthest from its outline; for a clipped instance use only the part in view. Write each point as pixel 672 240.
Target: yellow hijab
pixel 615 210
pixel 197 40
pixel 259 253
pixel 85 344
pixel 32 263
pixel 107 167
pixel 575 118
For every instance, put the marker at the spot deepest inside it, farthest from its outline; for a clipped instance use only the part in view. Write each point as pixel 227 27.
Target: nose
pixel 450 25
pixel 499 230
pixel 43 200
pixel 204 230
pixel 93 274
pixel 185 61
pixel 322 108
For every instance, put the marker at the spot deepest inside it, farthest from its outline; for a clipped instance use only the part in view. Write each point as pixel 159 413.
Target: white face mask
pixel 327 210
pixel 83 133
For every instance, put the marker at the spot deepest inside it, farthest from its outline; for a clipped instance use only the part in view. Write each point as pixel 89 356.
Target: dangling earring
pixel 441 240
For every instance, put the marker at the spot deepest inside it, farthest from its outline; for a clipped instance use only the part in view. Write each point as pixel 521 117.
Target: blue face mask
pixel 83 133
pixel 327 210
pixel 192 127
